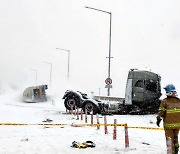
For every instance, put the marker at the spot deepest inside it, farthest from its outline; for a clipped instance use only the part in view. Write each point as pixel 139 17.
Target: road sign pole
pixel 108 85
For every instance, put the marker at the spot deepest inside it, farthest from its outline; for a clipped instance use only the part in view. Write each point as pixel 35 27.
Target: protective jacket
pixel 169 110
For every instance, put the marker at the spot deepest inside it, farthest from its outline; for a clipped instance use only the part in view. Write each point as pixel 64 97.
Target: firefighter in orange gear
pixel 169 111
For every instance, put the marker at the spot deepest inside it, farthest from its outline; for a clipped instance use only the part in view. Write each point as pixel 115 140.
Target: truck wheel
pixel 70 101
pixel 90 107
pixel 123 110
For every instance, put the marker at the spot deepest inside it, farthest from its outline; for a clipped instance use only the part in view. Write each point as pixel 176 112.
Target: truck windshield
pixel 140 84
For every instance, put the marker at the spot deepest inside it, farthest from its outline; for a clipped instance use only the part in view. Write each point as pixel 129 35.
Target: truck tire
pixel 70 101
pixel 90 107
pixel 123 110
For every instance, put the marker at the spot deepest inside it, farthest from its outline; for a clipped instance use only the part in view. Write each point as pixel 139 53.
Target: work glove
pixel 158 122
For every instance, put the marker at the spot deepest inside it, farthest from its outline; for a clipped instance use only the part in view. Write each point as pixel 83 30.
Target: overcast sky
pixel 145 35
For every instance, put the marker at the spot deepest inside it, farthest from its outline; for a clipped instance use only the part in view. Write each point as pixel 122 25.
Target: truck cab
pixel 143 89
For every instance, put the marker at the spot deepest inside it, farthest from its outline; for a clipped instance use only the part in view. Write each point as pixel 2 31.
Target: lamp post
pixel 36 74
pixel 50 71
pixel 109 57
pixel 68 51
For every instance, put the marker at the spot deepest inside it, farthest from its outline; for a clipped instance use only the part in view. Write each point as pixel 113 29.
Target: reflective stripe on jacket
pixel 169 110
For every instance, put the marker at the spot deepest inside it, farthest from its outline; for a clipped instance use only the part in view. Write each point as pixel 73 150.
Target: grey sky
pixel 145 35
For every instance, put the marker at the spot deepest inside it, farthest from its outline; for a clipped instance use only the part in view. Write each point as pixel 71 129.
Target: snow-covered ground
pixel 38 139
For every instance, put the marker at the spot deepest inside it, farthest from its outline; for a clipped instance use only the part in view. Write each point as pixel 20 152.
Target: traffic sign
pixel 108 81
pixel 108 86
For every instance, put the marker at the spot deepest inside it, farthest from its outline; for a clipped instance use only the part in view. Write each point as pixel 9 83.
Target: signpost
pixel 108 82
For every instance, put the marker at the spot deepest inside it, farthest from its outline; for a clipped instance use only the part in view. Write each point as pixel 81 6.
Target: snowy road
pixel 37 139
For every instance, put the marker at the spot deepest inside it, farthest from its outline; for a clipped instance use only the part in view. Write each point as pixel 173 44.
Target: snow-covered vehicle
pixel 35 94
pixel 143 90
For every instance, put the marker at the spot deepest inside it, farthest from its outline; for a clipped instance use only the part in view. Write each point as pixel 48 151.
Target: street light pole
pixel 109 62
pixel 50 71
pixel 68 59
pixel 36 75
